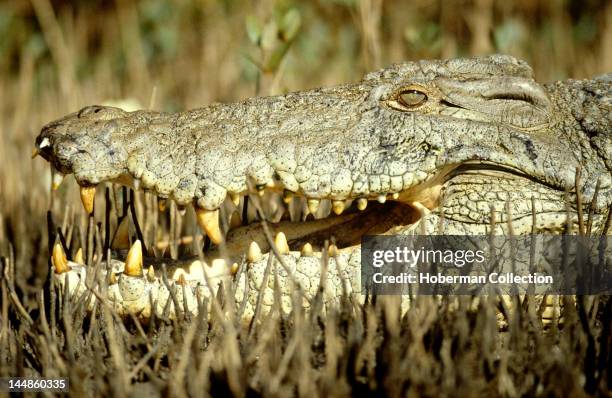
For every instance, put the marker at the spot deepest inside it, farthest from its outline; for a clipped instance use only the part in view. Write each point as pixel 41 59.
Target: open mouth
pixel 312 223
pixel 316 232
pixel 282 212
pixel 299 232
pixel 361 217
pixel 302 232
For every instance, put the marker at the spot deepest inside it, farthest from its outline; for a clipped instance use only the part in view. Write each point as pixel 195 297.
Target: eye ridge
pixel 412 98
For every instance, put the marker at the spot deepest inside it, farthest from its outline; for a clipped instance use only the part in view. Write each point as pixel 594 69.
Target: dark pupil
pixel 413 97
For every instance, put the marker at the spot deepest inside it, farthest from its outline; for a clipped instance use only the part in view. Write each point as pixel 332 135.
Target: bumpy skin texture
pixel 474 134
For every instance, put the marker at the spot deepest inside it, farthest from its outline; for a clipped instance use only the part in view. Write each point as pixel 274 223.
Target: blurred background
pixel 57 56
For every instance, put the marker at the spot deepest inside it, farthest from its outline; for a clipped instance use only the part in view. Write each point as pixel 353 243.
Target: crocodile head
pixel 456 140
pixel 481 131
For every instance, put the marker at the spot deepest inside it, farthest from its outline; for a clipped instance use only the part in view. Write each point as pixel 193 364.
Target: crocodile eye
pixel 412 98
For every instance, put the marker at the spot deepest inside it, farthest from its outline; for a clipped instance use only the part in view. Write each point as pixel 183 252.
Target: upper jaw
pixel 418 189
pixel 66 156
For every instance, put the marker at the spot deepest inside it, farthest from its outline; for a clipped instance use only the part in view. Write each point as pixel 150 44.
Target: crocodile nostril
pixel 43 146
pixel 42 141
pixel 89 110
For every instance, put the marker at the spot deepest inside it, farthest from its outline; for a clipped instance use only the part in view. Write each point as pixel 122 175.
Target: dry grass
pixel 352 349
pixel 56 57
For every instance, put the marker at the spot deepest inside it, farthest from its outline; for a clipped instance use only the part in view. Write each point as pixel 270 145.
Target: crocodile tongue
pixel 346 230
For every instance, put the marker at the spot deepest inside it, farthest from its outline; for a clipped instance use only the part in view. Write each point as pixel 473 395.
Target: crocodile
pixel 426 147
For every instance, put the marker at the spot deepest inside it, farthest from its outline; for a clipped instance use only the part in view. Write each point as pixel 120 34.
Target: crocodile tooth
pixel 254 254
pixel 235 220
pixel 151 273
pixel 88 194
pixel 182 210
pixel 287 196
pixel 181 280
pixel 209 222
pixel 313 205
pixel 59 260
pixel 121 240
pixel 218 267
pixel 133 261
pixel 332 250
pixel 281 243
pixel 381 198
pixel 338 206
pixel 395 196
pixel 78 257
pixel 307 250
pixel 362 203
pixel 235 198
pixel 56 178
pixel 234 268
pixel 196 271
pixel 136 183
pixel 112 278
pixel 161 204
pixel 178 273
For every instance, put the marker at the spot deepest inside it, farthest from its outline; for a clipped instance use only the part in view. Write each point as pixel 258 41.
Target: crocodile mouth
pixel 301 225
pixel 314 223
pixel 345 231
pixel 340 224
pixel 342 231
pixel 373 215
pixel 337 223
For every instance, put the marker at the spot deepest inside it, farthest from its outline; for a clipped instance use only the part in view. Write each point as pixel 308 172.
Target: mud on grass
pixel 447 347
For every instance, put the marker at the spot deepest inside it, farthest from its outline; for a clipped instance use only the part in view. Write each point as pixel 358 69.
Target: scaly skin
pixel 452 139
